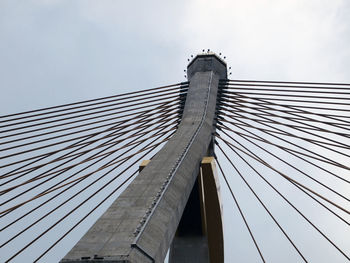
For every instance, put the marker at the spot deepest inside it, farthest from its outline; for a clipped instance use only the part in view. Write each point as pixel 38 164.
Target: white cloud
pixel 299 40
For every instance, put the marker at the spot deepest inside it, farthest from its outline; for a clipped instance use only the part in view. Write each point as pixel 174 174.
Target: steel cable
pixel 64 190
pixel 297 145
pixel 240 211
pixel 296 209
pixel 92 100
pixel 39 184
pixel 288 150
pixel 295 183
pixel 70 212
pixel 261 202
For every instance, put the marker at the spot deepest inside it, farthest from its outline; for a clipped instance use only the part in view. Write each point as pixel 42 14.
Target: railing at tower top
pixel 282 148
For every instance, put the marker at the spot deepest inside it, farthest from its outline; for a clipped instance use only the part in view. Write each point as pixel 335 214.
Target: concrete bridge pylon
pixel 174 201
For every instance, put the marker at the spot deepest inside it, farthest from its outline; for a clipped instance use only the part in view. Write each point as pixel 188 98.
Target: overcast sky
pixel 60 51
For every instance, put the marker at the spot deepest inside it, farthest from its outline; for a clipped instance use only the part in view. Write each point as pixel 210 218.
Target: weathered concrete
pixel 190 244
pixel 140 225
pixel 192 249
pixel 212 209
pixel 199 236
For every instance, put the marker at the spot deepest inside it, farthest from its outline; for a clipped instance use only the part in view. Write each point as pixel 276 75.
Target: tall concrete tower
pixel 174 201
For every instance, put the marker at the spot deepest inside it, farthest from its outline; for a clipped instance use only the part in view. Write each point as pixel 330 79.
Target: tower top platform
pixel 208 61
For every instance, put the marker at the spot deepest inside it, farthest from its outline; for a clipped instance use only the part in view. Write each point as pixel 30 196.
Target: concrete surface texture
pixel 141 224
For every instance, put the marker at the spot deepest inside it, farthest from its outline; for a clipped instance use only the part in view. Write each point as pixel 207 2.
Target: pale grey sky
pixel 60 51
